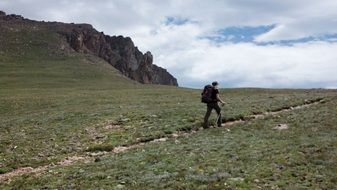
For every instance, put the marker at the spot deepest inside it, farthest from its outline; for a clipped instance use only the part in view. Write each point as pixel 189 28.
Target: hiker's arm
pixel 219 99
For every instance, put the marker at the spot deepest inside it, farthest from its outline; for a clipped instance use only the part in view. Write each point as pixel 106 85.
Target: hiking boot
pixel 205 126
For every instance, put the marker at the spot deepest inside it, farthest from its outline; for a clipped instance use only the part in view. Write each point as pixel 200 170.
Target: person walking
pixel 212 103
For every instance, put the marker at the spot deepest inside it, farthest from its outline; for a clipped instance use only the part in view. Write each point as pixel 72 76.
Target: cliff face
pixel 119 51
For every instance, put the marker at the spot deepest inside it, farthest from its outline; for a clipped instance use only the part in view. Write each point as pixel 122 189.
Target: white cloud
pixel 297 29
pixel 194 60
pixel 301 65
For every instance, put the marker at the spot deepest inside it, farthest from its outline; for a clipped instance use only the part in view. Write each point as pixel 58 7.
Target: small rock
pixel 281 127
pixel 125 119
pixel 236 179
pixel 279 166
pixel 160 140
pixel 256 180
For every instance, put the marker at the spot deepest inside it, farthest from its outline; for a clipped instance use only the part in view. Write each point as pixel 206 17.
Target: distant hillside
pixel 57 39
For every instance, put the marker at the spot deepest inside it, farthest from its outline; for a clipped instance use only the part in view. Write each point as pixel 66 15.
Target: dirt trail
pixel 90 157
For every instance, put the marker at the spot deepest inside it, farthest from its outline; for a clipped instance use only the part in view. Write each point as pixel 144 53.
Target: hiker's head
pixel 215 83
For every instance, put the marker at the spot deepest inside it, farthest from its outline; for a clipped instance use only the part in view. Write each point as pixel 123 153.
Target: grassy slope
pixel 45 96
pixel 54 104
pixel 250 156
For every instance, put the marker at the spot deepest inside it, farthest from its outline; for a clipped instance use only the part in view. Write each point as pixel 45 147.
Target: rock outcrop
pixel 119 51
pixel 2 14
pixel 10 17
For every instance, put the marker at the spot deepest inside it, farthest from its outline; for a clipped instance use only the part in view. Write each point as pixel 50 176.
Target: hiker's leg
pixel 208 113
pixel 218 111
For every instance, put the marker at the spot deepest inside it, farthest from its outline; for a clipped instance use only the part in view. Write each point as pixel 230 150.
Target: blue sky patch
pixel 176 20
pixel 246 34
pixel 239 34
pixel 325 37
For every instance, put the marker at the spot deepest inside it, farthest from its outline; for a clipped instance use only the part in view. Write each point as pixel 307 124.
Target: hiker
pixel 211 96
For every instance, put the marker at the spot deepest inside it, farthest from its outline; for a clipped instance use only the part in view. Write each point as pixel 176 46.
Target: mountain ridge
pixel 118 51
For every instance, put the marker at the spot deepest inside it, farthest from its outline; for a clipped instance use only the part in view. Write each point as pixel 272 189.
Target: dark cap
pixel 215 83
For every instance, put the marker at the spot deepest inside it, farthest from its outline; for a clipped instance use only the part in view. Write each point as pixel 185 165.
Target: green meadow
pixel 55 105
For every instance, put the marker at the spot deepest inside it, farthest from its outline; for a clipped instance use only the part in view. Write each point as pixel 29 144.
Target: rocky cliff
pixel 119 51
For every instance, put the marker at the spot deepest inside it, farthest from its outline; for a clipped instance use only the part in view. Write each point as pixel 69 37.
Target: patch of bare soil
pixel 112 127
pixel 39 170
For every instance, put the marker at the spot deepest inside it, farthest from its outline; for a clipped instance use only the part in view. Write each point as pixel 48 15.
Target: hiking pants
pixel 210 107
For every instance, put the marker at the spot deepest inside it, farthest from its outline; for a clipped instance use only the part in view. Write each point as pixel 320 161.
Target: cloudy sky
pixel 240 43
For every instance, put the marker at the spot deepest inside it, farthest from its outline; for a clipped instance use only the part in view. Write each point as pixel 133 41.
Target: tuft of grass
pixel 4 170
